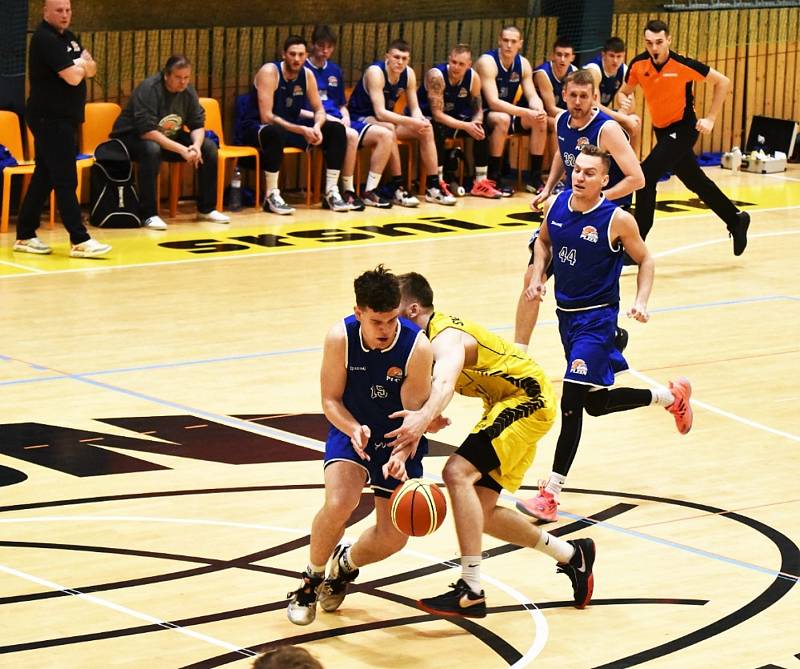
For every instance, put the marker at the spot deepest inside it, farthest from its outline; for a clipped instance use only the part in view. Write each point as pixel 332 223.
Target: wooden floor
pixel 161 436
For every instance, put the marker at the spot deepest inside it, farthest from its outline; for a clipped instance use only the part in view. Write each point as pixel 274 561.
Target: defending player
pixel 549 76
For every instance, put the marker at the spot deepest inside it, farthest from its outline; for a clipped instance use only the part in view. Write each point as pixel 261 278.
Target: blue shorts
pixel 338 448
pixel 588 340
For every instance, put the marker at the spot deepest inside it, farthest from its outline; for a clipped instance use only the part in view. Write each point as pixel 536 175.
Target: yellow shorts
pixel 515 426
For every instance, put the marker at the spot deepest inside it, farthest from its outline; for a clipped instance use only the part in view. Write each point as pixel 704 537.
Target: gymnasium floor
pixel 161 437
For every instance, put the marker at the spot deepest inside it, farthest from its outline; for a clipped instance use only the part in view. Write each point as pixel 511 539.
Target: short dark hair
pixel 323 33
pixel 294 40
pixel 592 150
pixel 614 45
pixel 415 287
pixel 287 657
pixel 511 27
pixel 177 61
pixel 564 43
pixel 580 78
pixel 656 26
pixel 400 45
pixel 377 289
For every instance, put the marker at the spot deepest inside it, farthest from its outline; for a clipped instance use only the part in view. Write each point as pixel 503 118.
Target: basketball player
pixel 374 364
pixel 519 408
pixel 503 70
pixel 373 101
pixel 582 123
pixel 667 80
pixel 451 97
pixel 549 76
pixel 582 234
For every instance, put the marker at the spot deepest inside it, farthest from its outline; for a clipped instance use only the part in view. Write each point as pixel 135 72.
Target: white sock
pixel 471 572
pixel 346 560
pixel 556 548
pixel 331 180
pixel 373 179
pixel 662 397
pixel 347 184
pixel 481 172
pixel 315 570
pixel 522 347
pixel 441 173
pixel 272 181
pixel 555 483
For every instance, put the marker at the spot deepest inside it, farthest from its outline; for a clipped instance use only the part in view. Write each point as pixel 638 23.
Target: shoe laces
pixel 444 188
pixel 276 199
pixel 307 592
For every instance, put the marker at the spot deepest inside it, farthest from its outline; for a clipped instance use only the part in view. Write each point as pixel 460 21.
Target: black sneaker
pixel 353 201
pixel 505 188
pixel 372 198
pixel 579 570
pixel 302 607
pixel 620 339
pixel 739 232
pixel 334 588
pixel 460 602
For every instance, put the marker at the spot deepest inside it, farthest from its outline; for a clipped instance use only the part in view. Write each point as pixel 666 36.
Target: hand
pixel 632 123
pixel 191 155
pixel 438 423
pixel 704 126
pixel 312 135
pixel 85 55
pixel 625 103
pixel 396 468
pixel 536 290
pixel 540 199
pixel 475 130
pixel 360 440
pixel 407 436
pixel 639 312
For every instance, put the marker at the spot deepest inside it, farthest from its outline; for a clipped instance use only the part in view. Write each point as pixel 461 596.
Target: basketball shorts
pixel 588 341
pixel 339 449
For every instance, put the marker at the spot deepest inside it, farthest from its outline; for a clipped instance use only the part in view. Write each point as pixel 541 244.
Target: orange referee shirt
pixel 668 88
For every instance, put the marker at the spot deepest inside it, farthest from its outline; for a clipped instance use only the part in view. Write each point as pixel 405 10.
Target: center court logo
pixel 578 366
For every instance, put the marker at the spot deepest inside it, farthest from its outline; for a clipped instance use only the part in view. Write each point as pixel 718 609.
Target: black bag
pixel 114 203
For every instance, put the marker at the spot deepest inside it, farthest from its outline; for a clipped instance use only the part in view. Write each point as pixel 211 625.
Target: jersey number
pixel 567 255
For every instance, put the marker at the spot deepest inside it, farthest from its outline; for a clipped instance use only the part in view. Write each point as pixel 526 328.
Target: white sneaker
pixel 440 195
pixel 404 199
pixel 276 204
pixel 214 216
pixel 91 248
pixel 155 223
pixel 333 201
pixel 32 245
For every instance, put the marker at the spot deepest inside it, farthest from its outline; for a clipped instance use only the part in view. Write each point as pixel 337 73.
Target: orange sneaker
pixel 485 188
pixel 544 506
pixel 681 408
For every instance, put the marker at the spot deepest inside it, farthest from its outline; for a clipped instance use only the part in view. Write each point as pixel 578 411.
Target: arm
pixel 487 71
pixel 266 83
pixel 534 101
pixel 373 82
pixel 613 141
pixel 542 256
pixel 546 92
pixel 314 101
pixel 625 95
pixel 721 85
pixel 554 176
pixel 625 230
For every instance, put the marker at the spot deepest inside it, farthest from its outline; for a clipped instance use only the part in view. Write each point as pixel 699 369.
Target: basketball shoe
pixel 738 232
pixel 302 607
pixel 334 588
pixel 485 188
pixel 681 408
pixel 544 506
pixel 460 602
pixel 579 570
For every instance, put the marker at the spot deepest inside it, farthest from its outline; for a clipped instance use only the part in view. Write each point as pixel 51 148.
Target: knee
pixel 340 506
pixel 209 150
pixel 150 152
pixel 352 138
pixel 595 403
pixel 455 472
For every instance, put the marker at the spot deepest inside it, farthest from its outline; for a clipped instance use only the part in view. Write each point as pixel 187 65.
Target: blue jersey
pixel 508 80
pixel 555 82
pixel 360 104
pixel 570 141
pixel 609 85
pixel 457 97
pixel 586 265
pixel 330 84
pixel 290 95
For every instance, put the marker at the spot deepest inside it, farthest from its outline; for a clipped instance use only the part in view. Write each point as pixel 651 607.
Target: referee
pixel 57 68
pixel 667 79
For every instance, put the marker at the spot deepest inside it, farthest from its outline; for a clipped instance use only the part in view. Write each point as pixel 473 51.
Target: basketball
pixel 418 508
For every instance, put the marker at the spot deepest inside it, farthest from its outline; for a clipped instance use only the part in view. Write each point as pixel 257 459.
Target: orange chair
pixel 11 138
pixel 227 151
pixel 99 119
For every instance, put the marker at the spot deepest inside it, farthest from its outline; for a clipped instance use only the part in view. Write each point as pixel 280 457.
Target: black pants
pixel 480 148
pixel 673 153
pixel 149 156
pixel 271 139
pixel 56 148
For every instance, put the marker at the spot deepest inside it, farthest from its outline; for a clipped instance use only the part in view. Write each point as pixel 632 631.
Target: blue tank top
pixel 290 96
pixel 508 80
pixel 360 104
pixel 557 84
pixel 570 141
pixel 330 84
pixel 585 265
pixel 457 97
pixel 608 85
pixel 374 377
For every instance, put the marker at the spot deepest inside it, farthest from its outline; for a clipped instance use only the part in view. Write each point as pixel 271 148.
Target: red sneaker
pixel 485 188
pixel 681 408
pixel 544 506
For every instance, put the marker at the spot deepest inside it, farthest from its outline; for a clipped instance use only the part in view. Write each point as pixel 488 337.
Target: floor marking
pixel 35 270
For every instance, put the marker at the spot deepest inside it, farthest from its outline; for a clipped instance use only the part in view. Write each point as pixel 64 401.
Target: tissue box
pixel 765 166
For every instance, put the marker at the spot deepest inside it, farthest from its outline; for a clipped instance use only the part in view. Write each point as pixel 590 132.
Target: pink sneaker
pixel 681 408
pixel 485 188
pixel 544 506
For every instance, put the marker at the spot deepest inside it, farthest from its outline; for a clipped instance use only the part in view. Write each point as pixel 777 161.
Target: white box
pixel 767 166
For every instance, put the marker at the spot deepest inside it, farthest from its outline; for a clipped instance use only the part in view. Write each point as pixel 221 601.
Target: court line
pixel 710 242
pixel 92 599
pixel 315 349
pixel 35 270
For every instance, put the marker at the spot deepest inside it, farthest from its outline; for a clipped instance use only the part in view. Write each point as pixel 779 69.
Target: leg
pixel 498 124
pixel 380 141
pixel 148 154
pixel 351 150
pixel 659 161
pixel 207 178
pixel 527 313
pixel 379 541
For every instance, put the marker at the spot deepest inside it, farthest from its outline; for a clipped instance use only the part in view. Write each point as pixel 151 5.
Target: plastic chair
pixel 227 152
pixel 11 138
pixel 99 119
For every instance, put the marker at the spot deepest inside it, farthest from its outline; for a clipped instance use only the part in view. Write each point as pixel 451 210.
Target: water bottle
pixel 235 200
pixel 736 159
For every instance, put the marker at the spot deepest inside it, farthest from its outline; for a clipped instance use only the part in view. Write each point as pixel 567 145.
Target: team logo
pixel 333 81
pixel 514 78
pixel 463 92
pixel 297 90
pixel 170 124
pixel 582 141
pixel 394 374
pixel 578 366
pixel 589 233
pixel 74 46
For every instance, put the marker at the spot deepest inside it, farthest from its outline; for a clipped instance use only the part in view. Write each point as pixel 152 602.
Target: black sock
pixel 535 170
pixel 432 181
pixel 494 167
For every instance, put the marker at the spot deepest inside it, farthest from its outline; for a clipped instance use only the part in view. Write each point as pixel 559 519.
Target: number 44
pixel 567 255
